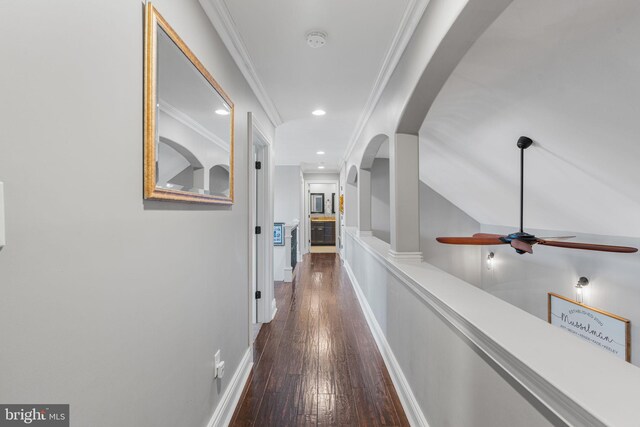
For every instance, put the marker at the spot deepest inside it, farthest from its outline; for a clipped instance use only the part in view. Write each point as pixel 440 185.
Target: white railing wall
pixel 461 357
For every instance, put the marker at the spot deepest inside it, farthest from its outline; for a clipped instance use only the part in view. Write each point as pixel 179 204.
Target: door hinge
pixel 258 229
pixel 258 165
pixel 258 294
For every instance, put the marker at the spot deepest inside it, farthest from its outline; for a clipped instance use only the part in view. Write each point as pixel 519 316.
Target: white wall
pixel 380 193
pixel 286 208
pixel 109 303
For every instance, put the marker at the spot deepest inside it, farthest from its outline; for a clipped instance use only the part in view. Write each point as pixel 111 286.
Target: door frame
pixel 264 270
pixel 308 179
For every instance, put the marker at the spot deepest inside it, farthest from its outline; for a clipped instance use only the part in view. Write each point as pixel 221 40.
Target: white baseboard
pixel 405 394
pixel 222 415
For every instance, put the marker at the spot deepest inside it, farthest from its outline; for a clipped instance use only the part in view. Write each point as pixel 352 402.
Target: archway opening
pixel 375 204
pixel 351 198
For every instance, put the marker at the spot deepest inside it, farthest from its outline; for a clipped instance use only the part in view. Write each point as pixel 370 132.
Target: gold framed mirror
pixel 188 130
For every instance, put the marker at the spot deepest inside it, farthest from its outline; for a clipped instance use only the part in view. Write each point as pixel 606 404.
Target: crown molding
pixel 412 15
pixel 186 120
pixel 222 21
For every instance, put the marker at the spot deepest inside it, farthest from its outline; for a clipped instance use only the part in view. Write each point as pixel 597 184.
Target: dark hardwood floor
pixel 317 363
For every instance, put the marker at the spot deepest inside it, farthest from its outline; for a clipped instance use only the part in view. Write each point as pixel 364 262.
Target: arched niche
pixel 351 197
pixel 178 168
pixel 372 150
pixel 219 180
pixel 374 181
pixel 352 176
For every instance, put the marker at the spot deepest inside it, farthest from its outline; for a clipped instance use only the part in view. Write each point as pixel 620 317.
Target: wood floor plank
pixel 317 363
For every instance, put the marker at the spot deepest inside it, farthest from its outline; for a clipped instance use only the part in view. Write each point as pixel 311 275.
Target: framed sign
pixel 605 330
pixel 278 234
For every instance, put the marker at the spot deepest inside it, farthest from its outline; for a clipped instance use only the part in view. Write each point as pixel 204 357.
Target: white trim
pixel 365 233
pixel 305 206
pixel 256 134
pixel 186 120
pixel 405 256
pixel 547 393
pixel 222 415
pixel 222 21
pixel 412 15
pixel 405 394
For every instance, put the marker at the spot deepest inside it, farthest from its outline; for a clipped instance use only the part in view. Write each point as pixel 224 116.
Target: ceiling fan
pixel 523 242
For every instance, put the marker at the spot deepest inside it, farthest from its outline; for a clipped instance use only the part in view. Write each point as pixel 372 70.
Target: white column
pixel 405 198
pixel 364 202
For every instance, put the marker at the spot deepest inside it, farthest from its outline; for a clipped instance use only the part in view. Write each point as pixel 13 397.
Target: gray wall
pixel 110 304
pixel 440 217
pixel 351 204
pixel 456 385
pixel 286 194
pixel 286 206
pixel 380 208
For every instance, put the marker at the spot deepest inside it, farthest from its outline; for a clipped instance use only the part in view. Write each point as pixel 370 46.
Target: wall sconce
pixel 582 283
pixel 490 260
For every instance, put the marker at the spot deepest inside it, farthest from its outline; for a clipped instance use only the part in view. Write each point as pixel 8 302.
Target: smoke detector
pixel 316 39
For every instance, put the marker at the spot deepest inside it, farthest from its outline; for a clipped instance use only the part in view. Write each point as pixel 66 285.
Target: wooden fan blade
pixel 470 240
pixel 589 246
pixel 557 237
pixel 520 245
pixel 491 236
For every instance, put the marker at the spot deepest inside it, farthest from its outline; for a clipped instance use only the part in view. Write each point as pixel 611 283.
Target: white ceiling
pixel 338 77
pixel 567 75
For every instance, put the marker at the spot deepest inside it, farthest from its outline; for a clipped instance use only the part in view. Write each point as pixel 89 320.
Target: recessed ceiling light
pixel 320 153
pixel 222 112
pixel 318 112
pixel 321 167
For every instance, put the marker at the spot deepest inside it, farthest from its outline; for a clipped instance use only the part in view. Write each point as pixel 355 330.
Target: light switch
pixel 2 227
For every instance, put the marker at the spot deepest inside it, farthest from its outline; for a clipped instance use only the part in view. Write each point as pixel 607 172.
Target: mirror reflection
pixel 194 134
pixel 192 144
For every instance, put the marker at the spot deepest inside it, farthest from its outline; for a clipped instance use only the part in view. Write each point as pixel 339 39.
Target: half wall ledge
pixel 578 383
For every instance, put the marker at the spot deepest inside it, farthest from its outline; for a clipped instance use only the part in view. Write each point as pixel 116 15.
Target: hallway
pixel 317 363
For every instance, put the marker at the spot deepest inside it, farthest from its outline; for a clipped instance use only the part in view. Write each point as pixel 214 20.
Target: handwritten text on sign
pixel 609 332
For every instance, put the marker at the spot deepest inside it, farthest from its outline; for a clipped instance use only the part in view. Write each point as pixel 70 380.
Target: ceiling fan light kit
pixel 521 241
